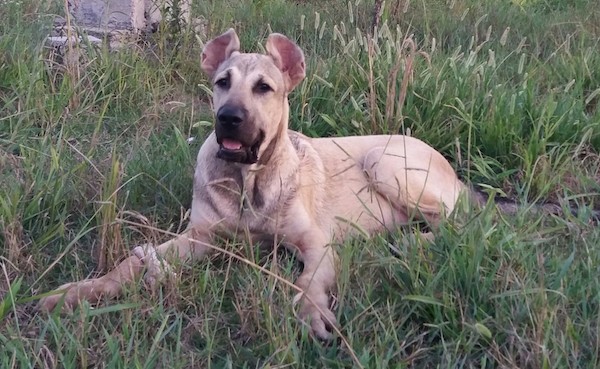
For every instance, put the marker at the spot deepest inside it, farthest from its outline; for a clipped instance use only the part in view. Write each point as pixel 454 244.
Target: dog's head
pixel 250 93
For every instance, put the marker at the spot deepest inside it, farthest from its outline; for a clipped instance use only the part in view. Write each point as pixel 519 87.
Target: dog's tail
pixel 512 207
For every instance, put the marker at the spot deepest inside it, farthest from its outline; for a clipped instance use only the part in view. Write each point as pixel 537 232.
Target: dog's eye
pixel 222 82
pixel 262 88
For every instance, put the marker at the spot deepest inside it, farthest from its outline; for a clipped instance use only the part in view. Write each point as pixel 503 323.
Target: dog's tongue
pixel 230 144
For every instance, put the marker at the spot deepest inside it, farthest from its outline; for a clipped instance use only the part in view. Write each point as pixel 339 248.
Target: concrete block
pixel 157 10
pixel 116 22
pixel 109 14
pixel 61 41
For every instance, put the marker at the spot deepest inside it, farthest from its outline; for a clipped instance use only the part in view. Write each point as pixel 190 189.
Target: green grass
pixel 509 95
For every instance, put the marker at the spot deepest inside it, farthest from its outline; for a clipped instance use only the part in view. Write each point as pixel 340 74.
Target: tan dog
pixel 253 176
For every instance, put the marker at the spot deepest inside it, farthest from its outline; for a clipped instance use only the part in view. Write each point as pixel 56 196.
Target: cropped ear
pixel 218 50
pixel 288 57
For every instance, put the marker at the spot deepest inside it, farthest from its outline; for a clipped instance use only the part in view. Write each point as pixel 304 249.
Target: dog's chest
pixel 255 203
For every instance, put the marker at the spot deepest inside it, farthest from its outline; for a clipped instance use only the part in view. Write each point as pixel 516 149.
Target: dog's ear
pixel 218 50
pixel 288 57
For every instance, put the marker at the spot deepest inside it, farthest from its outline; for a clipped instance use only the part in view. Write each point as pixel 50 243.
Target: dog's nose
pixel 230 116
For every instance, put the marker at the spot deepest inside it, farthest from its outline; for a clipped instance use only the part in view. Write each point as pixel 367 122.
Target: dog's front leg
pixel 191 244
pixel 316 281
pixel 93 289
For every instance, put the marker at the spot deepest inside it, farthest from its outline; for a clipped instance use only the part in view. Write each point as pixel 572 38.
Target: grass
pixel 95 158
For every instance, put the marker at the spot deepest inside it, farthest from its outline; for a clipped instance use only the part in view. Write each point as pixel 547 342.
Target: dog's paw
pixel 319 317
pixel 70 295
pixel 157 269
pixel 50 302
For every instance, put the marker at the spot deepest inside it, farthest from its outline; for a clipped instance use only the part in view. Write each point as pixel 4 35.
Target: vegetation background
pixel 97 155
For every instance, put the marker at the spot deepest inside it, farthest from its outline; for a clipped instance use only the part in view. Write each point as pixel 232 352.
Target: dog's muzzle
pixel 237 137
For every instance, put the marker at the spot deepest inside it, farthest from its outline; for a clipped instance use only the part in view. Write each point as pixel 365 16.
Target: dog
pixel 255 176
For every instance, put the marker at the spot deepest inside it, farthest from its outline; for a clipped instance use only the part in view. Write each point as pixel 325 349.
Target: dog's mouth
pixel 231 145
pixel 234 150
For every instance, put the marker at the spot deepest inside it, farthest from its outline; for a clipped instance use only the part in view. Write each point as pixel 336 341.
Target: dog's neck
pixel 275 174
pixel 270 158
pixel 279 146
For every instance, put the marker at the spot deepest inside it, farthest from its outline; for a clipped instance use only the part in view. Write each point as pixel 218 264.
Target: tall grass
pixel 93 165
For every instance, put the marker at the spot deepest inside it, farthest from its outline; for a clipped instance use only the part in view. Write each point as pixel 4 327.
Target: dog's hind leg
pixel 189 245
pixel 417 180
